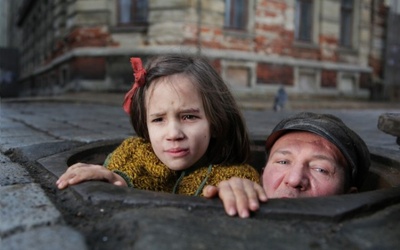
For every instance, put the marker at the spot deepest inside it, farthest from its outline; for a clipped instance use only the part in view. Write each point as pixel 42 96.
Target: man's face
pixel 303 164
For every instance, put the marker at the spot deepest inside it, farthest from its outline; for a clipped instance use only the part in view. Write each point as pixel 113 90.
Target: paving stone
pixel 45 125
pixel 8 143
pixel 19 131
pixel 7 123
pixel 68 134
pixel 12 173
pixel 18 128
pixel 94 125
pixel 118 133
pixel 25 206
pixel 31 153
pixel 46 238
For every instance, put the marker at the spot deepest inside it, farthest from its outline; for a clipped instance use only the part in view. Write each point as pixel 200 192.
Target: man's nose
pixel 297 178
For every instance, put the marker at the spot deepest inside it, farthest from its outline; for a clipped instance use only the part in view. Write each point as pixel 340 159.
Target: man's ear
pixel 352 190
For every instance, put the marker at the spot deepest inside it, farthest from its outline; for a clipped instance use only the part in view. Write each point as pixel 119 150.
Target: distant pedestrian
pixel 190 130
pixel 280 99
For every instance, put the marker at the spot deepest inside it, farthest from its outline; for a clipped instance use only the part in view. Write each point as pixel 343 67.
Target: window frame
pixel 301 25
pixel 134 8
pixel 346 29
pixel 236 18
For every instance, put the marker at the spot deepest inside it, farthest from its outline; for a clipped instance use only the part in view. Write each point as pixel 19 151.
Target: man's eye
pixel 282 162
pixel 321 170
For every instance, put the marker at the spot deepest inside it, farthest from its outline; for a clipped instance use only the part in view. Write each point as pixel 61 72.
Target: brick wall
pixel 275 74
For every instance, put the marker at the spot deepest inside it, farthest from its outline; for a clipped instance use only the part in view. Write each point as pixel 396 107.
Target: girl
pixel 190 132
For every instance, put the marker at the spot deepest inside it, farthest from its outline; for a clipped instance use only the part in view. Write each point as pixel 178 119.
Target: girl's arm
pixel 81 172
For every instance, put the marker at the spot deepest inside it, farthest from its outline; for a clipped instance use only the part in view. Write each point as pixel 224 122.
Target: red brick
pixel 328 78
pixel 216 65
pixel 89 67
pixel 272 74
pixel 89 37
pixel 376 65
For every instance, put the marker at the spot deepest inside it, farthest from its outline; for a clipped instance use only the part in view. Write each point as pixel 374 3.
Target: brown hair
pixel 230 145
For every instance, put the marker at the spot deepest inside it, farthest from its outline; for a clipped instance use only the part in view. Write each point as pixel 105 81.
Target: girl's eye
pixel 188 117
pixel 157 120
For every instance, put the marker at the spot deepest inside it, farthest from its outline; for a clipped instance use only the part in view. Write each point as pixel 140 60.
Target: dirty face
pixel 178 128
pixel 303 164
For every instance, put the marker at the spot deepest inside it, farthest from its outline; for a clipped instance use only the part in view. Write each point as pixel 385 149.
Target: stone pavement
pixel 38 133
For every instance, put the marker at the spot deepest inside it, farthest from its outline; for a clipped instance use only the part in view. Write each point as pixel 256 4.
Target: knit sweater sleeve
pixel 221 173
pixel 192 182
pixel 135 161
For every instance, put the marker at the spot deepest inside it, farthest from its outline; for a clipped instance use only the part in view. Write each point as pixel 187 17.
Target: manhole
pixel 381 189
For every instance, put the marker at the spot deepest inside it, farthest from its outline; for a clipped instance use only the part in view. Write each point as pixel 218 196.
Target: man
pixel 308 155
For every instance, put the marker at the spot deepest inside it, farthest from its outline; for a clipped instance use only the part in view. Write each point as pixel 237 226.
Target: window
pixel 132 12
pixel 304 20
pixel 346 23
pixel 236 14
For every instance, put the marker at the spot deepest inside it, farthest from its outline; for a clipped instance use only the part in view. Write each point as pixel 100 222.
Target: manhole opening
pixel 383 173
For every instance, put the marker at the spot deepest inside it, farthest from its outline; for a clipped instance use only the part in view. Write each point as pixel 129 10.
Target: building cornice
pixel 210 53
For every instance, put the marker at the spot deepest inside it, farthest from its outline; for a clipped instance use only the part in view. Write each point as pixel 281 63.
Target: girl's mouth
pixel 177 152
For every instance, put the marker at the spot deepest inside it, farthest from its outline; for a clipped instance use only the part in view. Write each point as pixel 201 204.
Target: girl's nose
pixel 297 178
pixel 174 131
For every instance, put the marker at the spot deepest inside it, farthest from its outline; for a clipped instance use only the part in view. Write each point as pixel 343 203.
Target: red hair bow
pixel 140 74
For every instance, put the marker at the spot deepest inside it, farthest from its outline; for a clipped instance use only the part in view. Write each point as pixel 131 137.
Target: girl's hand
pixel 239 196
pixel 81 172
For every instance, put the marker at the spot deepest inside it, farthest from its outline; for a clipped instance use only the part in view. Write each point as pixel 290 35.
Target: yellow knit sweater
pixel 136 162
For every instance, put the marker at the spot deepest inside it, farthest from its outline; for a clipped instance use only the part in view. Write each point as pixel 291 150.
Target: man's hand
pixel 239 196
pixel 81 172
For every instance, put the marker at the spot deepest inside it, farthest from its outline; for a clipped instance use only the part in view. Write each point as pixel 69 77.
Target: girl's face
pixel 178 128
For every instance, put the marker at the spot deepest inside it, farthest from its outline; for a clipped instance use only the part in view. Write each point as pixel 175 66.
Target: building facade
pixel 9 54
pixel 324 47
